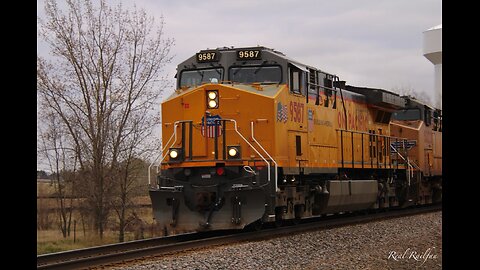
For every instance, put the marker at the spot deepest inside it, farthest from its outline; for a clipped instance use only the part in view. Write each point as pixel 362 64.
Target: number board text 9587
pixel 211 56
pixel 249 54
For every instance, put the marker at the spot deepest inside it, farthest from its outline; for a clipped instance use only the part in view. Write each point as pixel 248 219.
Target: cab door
pixel 297 151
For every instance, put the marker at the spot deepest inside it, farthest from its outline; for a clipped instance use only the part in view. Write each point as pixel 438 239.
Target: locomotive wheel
pixel 296 221
pixel 299 210
pixel 278 223
pixel 381 203
pixel 257 225
pixel 279 217
pixel 436 195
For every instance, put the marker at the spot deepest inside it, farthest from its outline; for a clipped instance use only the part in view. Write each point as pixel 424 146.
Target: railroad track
pixel 134 250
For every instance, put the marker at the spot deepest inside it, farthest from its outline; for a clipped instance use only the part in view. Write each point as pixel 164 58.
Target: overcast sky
pixel 373 43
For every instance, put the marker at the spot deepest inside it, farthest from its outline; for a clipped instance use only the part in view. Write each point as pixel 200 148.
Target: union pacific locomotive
pixel 252 136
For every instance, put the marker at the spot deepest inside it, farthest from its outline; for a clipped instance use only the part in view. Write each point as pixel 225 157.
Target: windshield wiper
pixel 260 67
pixel 236 71
pixel 257 69
pixel 201 75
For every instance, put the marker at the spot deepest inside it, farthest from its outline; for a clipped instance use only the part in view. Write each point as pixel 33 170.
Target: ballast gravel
pixel 413 242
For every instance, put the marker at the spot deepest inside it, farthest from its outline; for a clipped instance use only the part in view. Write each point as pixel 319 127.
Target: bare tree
pixel 129 185
pixel 104 85
pixel 411 92
pixel 52 148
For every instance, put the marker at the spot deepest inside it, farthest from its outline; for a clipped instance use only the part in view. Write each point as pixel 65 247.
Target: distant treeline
pixel 44 175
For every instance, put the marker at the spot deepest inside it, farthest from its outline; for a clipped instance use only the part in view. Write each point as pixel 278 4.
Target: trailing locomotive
pixel 252 136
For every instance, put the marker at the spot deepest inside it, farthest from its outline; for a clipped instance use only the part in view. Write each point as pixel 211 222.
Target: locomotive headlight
pixel 212 99
pixel 233 152
pixel 212 104
pixel 212 95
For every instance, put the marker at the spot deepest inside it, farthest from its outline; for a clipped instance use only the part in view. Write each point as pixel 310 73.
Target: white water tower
pixel 432 50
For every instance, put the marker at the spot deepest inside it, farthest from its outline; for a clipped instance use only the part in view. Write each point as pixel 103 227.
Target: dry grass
pixel 51 240
pixel 45 189
pixel 49 236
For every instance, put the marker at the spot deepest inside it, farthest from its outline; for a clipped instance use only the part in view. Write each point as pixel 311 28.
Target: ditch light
pixel 175 154
pixel 233 152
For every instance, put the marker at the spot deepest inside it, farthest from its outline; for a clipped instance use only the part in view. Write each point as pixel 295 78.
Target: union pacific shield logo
pixel 212 124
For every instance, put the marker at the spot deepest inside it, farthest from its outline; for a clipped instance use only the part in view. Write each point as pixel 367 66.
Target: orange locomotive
pixel 252 136
pixel 422 125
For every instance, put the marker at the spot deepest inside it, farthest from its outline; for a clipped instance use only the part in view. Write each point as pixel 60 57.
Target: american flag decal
pixel 282 113
pixel 209 131
pixel 310 120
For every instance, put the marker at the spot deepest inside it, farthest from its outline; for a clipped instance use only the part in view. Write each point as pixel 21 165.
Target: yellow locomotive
pixel 252 136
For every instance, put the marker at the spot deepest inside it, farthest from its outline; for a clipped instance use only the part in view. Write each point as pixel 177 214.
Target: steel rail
pixel 44 261
pixel 117 253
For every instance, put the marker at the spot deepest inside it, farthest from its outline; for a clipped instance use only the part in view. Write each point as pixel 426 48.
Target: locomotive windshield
pixel 260 74
pixel 189 78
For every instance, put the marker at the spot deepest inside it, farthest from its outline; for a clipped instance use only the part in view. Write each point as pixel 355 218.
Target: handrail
pixel 236 130
pixel 274 162
pixel 175 124
pixel 385 137
pixel 154 161
pixel 409 164
pixel 151 164
pixel 371 134
pixel 264 159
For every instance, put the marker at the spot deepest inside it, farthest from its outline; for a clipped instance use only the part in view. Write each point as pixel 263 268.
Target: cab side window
pixel 328 83
pixel 297 80
pixel 427 115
